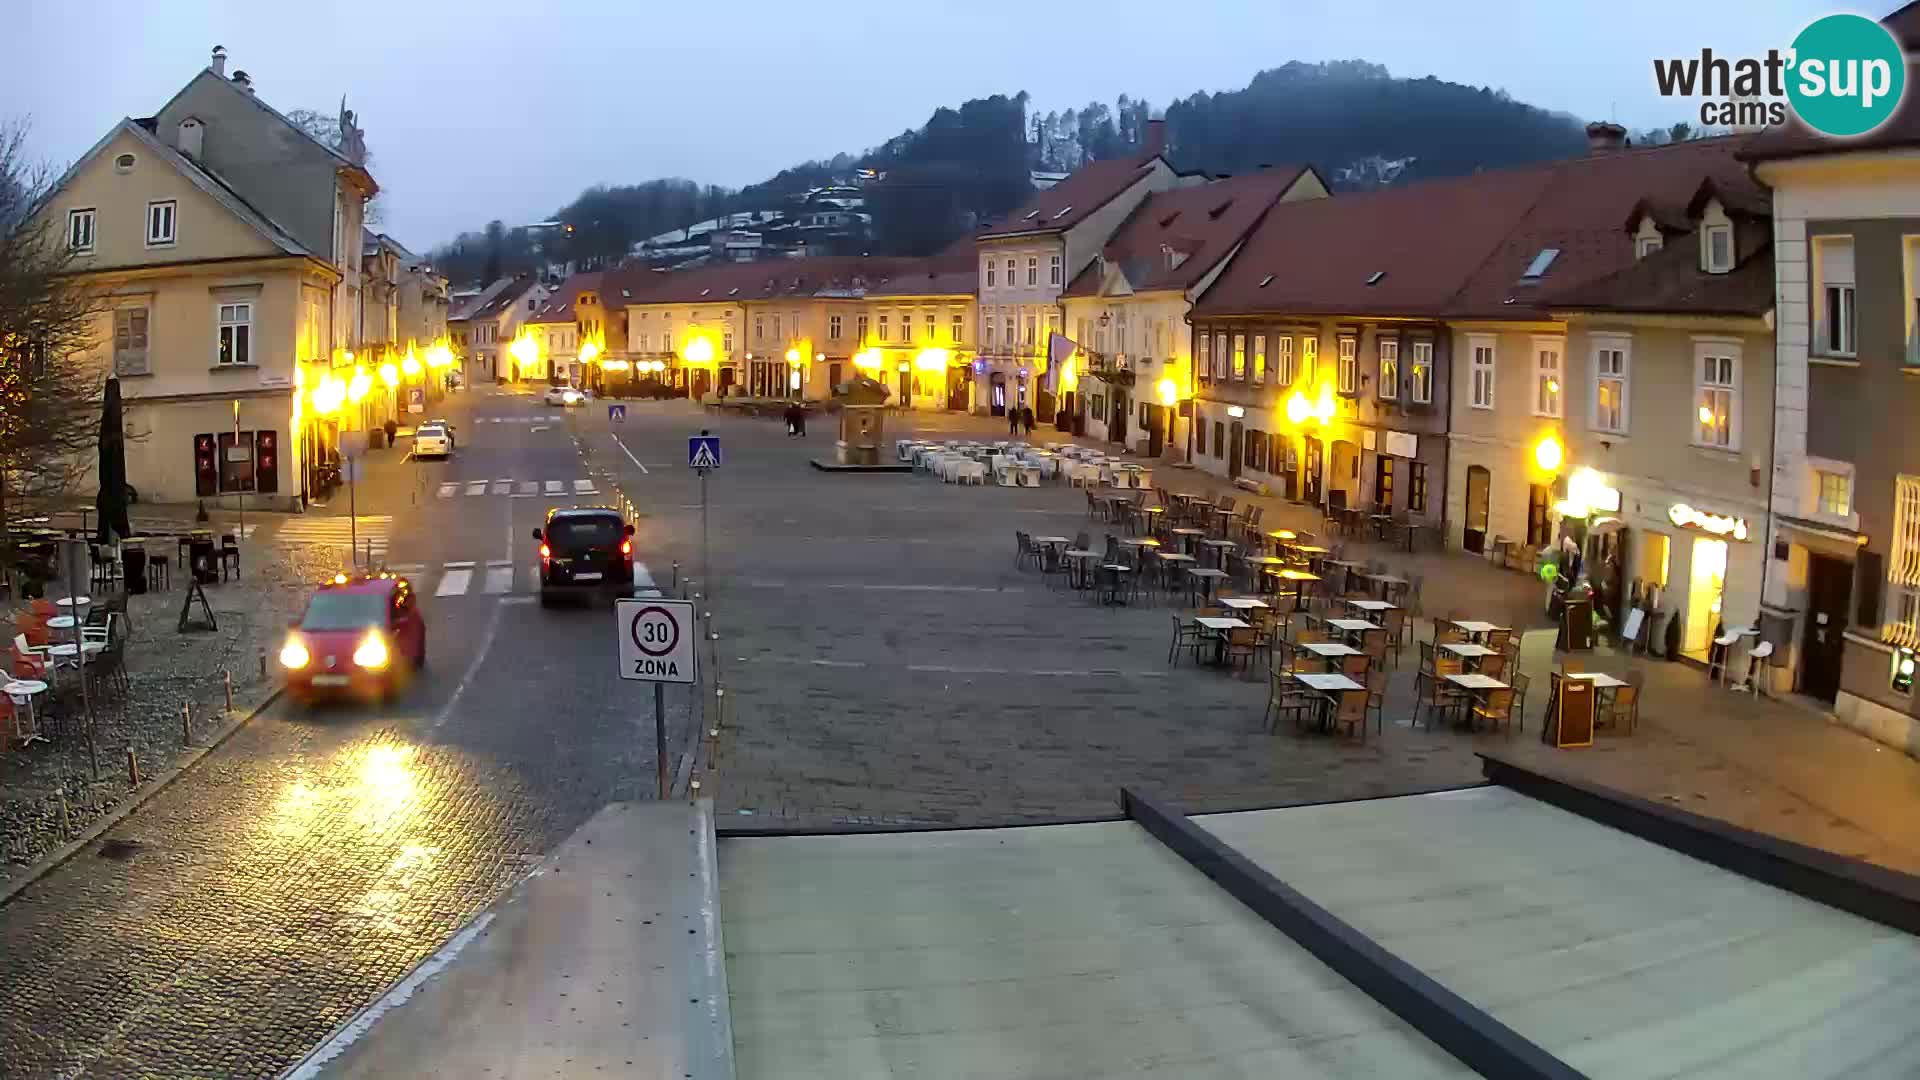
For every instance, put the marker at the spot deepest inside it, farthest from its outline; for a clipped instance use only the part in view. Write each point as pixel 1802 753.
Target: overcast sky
pixel 485 109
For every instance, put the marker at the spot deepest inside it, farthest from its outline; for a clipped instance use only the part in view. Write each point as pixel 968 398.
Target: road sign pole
pixel 660 735
pixel 706 548
pixel 353 516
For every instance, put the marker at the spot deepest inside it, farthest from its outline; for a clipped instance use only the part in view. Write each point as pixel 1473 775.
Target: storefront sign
pixel 1403 444
pixel 1367 439
pixel 1718 524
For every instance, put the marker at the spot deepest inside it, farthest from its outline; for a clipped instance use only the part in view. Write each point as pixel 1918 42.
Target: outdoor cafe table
pixel 1467 650
pixel 1220 627
pixel 1386 582
pixel 1352 626
pixel 1202 579
pixel 1600 680
pixel 1329 685
pixel 1476 683
pixel 1299 579
pixel 1370 605
pixel 1243 603
pixel 1330 651
pixel 1078 559
pixel 74 601
pixel 1219 549
pixel 1266 567
pixel 1475 627
pixel 1139 542
pixel 26 722
pixel 1187 536
pixel 1052 546
pixel 60 622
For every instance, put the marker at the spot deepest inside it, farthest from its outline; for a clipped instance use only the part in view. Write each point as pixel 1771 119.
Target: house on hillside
pixel 227 242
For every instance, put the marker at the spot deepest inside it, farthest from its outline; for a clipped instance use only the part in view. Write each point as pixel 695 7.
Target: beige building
pixel 1126 311
pixel 915 333
pixel 1026 260
pixel 227 245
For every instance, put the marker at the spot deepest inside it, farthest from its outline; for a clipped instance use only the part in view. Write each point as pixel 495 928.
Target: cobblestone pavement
pixel 167 671
pixel 885 662
pixel 288 878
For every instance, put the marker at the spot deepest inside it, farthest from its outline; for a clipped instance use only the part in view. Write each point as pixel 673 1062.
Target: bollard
pixel 66 814
pixel 133 768
pixel 186 725
pixel 227 676
pixel 676 576
pixel 263 663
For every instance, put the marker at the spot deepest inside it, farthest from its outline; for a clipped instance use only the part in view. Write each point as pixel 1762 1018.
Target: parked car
pixel 583 550
pixel 564 396
pixel 362 637
pixel 432 440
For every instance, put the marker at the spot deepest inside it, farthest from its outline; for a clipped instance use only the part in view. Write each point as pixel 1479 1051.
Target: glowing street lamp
pixel 793 357
pixel 588 350
pixel 360 384
pixel 1547 454
pixel 390 375
pixel 411 365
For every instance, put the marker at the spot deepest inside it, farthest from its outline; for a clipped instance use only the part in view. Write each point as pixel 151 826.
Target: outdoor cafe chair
pixel 1395 621
pixel 1355 667
pixel 1350 712
pixel 1434 693
pixel 1496 708
pixel 1377 698
pixel 1497 639
pixel 30 661
pixel 1243 644
pixel 1519 683
pixel 1374 644
pixel 1285 694
pixel 1493 666
pixel 229 555
pixel 1188 636
pixel 1625 707
pixel 1023 550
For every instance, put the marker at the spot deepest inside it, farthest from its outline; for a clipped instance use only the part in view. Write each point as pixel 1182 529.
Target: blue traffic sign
pixel 703 451
pixel 617 413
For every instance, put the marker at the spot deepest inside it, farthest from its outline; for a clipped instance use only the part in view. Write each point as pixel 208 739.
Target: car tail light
pixel 626 547
pixel 545 553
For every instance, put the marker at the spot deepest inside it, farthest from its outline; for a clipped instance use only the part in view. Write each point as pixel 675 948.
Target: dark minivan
pixel 585 548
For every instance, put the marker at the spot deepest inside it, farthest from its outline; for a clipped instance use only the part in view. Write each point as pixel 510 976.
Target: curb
pixel 49 862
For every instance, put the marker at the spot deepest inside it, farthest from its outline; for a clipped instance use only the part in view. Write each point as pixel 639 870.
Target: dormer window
pixel 1717 244
pixel 1645 245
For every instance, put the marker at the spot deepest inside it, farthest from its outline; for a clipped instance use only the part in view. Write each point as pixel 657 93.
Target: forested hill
pixel 1352 119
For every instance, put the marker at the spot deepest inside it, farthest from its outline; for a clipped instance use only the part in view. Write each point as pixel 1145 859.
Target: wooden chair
pixel 229 555
pixel 1355 667
pixel 1243 644
pixel 1377 697
pixel 1374 644
pixel 1625 708
pixel 1023 550
pixel 1497 639
pixel 1493 666
pixel 1285 694
pixel 1496 708
pixel 1434 692
pixel 1519 683
pixel 1187 636
pixel 1395 621
pixel 1350 711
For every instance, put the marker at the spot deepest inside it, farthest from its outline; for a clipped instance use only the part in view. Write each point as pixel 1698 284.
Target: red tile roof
pixel 1202 223
pixel 559 307
pixel 1068 202
pixel 1670 281
pixel 1460 248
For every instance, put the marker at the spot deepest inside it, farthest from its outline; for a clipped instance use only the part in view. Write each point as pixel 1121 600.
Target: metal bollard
pixel 133 768
pixel 676 577
pixel 227 677
pixel 186 725
pixel 263 663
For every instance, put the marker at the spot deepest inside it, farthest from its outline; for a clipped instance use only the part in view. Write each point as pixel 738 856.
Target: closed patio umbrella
pixel 111 503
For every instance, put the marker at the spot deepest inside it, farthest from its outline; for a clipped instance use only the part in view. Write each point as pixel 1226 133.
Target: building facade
pixel 915 333
pixel 1844 578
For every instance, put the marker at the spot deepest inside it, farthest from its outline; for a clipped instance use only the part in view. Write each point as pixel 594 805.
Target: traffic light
pixel 206 466
pixel 266 462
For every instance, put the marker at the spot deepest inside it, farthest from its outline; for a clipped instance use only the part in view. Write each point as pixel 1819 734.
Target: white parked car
pixel 563 396
pixel 432 440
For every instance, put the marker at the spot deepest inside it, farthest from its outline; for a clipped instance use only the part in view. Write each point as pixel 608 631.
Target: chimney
pixel 190 138
pixel 243 80
pixel 1156 137
pixel 1605 136
pixel 219 64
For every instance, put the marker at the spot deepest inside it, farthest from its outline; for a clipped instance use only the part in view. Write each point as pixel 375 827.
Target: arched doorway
pixel 1479 493
pixel 1313 472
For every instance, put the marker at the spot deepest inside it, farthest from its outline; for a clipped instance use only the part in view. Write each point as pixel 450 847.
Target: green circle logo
pixel 1848 75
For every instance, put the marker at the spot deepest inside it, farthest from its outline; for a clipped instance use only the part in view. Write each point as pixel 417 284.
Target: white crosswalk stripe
pixel 555 487
pixel 513 419
pixel 368 532
pixel 476 487
pixel 454 582
pixel 449 490
pixel 519 489
pixel 585 487
pixel 643 584
pixel 529 487
pixel 502 487
pixel 499 577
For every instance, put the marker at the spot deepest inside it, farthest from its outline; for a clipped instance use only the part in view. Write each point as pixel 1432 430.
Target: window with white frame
pixel 759 328
pixel 1240 358
pixel 1903 563
pixel 1283 360
pixel 1645 246
pixel 1010 264
pixel 1611 357
pixel 986 328
pixel 1546 376
pixel 80 230
pixel 1836 493
pixel 236 334
pixel 1347 368
pixel 1833 300
pixel 1259 358
pixel 1716 395
pixel 1204 362
pixel 860 329
pixel 833 328
pixel 1480 371
pixel 1389 387
pixel 1007 324
pixel 885 330
pixel 726 343
pixel 130 341
pixel 1031 326
pixel 1420 374
pixel 1033 269
pixel 1719 241
pixel 926 325
pixel 1310 358
pixel 957 330
pixel 160 215
pixel 991 272
pixel 1053 270
pixel 1222 360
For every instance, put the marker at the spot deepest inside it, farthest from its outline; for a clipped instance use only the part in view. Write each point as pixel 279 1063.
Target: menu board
pixel 1576 626
pixel 1570 716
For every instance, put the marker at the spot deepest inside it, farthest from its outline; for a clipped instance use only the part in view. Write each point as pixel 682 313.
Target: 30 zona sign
pixel 657 640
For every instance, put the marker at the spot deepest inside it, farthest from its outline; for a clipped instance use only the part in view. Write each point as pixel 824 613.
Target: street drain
pixel 121 850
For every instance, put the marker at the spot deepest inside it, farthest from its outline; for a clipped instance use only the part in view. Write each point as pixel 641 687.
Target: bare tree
pixel 49 394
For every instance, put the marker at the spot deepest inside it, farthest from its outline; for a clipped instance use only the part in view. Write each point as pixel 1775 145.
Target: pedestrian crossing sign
pixel 616 413
pixel 703 452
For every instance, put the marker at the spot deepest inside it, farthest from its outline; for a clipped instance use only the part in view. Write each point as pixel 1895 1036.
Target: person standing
pixel 1026 418
pixel 1013 420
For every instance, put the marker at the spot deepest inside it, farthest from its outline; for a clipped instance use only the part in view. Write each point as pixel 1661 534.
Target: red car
pixel 362 637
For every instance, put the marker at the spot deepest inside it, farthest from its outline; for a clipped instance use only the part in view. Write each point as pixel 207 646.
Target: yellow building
pixel 916 335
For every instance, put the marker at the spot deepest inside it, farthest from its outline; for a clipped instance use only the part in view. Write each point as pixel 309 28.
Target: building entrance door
pixel 1829 593
pixel 1479 492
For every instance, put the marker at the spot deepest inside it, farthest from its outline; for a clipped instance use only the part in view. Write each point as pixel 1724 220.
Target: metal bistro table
pixel 1330 651
pixel 1078 561
pixel 1202 579
pixel 1329 686
pixel 1220 628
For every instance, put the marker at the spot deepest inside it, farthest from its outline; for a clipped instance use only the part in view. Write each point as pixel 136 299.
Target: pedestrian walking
pixel 1026 418
pixel 800 420
pixel 1013 421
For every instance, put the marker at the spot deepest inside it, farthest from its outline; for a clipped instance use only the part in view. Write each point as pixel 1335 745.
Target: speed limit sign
pixel 657 640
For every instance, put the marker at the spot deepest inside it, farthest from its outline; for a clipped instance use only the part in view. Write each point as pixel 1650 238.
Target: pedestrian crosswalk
pixel 366 534
pixel 519 489
pixel 495 577
pixel 538 418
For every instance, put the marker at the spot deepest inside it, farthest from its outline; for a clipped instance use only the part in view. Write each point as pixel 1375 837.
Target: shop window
pixel 1539 531
pixel 1383 480
pixel 236 462
pixel 1655 550
pixel 1417 487
pixel 1219 439
pixel 1200 436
